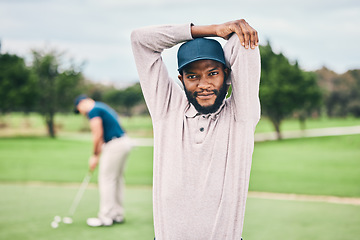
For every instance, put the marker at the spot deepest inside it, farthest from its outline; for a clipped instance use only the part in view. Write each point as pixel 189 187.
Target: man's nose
pixel 204 82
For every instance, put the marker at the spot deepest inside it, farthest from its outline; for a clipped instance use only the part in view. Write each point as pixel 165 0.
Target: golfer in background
pixel 111 148
pixel 203 143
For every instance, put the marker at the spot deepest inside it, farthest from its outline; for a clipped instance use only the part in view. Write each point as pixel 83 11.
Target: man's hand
pixel 247 35
pixel 93 162
pixel 244 31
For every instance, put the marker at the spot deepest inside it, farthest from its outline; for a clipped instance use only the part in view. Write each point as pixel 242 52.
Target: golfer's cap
pixel 78 100
pixel 200 49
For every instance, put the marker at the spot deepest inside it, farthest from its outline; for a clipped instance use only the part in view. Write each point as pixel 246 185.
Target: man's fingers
pixel 240 34
pixel 245 29
pixel 254 39
pixel 257 39
pixel 247 35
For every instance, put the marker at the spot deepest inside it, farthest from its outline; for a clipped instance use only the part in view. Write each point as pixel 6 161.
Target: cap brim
pixel 200 58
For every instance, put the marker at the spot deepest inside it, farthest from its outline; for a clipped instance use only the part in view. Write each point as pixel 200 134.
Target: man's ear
pixel 181 78
pixel 227 72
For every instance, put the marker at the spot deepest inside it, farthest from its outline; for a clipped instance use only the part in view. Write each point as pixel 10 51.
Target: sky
pixel 96 33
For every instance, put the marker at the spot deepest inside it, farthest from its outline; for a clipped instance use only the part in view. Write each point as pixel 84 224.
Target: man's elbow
pixel 138 35
pixel 134 37
pixel 98 139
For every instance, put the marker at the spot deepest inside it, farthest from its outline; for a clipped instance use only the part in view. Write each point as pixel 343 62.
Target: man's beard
pixel 220 95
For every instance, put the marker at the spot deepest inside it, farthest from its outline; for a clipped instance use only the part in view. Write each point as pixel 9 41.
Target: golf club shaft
pixel 79 194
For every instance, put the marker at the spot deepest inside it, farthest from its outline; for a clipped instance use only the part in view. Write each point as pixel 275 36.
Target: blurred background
pixel 305 180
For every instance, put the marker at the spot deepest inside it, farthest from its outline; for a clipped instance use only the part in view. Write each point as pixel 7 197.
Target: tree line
pixel 341 92
pixel 50 83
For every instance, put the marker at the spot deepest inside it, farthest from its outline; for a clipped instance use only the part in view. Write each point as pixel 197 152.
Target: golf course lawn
pixel 27 211
pixel 295 220
pixel 39 178
pixel 141 126
pixel 315 166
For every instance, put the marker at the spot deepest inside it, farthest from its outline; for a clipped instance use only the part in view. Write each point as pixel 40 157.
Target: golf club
pixel 79 194
pixel 75 203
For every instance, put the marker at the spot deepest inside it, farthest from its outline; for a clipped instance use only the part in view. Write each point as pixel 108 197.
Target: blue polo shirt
pixel 111 126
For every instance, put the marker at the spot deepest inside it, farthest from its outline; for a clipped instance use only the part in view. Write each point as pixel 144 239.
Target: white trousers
pixel 111 181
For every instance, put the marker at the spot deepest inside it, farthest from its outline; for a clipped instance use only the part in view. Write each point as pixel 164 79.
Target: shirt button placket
pixel 201 133
pixel 202 123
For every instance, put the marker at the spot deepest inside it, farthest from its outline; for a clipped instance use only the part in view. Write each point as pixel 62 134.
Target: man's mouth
pixel 205 95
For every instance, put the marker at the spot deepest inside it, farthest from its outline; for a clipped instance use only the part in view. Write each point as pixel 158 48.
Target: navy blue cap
pixel 200 49
pixel 77 101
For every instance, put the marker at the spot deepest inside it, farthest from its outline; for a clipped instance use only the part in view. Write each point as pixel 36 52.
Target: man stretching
pixel 203 144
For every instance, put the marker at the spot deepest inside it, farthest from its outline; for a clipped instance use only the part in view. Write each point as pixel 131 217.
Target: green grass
pixel 315 166
pixel 141 126
pixel 43 159
pixel 265 125
pixel 318 166
pixel 139 167
pixel 293 220
pixel 62 160
pixel 136 126
pixel 27 211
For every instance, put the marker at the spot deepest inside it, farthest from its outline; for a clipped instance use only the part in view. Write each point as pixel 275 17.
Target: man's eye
pixel 191 76
pixel 213 73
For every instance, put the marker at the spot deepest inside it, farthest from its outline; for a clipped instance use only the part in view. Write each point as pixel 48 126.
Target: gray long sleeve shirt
pixel 201 162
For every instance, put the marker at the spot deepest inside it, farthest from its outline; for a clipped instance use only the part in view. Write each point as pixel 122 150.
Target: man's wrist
pixel 203 31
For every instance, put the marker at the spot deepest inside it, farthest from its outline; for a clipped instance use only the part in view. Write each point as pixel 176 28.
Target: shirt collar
pixel 191 112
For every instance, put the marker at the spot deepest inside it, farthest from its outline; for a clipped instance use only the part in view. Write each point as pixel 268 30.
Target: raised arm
pixel 244 79
pixel 161 93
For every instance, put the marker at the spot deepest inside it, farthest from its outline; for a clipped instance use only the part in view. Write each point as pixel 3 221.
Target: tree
pixel 125 99
pixel 285 88
pixel 342 92
pixel 131 97
pixel 310 97
pixel 17 86
pixel 59 85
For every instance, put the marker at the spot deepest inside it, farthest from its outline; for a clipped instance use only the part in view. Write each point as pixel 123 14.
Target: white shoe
pixel 97 222
pixel 119 219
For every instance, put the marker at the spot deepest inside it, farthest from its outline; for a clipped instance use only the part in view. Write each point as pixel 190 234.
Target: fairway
pixel 27 211
pixel 141 126
pixel 315 166
pixel 39 178
pixel 62 160
pixel 295 220
pixel 35 207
